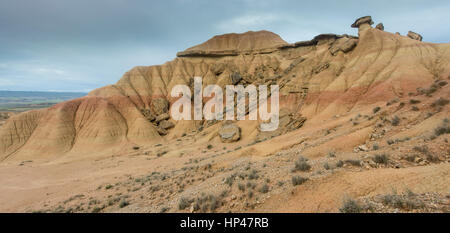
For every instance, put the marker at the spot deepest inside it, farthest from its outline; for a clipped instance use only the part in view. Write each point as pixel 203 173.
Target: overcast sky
pixel 79 45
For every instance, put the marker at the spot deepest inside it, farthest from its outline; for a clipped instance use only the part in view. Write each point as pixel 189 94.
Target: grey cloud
pixel 82 45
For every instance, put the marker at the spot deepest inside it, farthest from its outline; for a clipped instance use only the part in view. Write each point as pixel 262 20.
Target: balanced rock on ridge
pixel 363 23
pixel 414 36
pixel 229 132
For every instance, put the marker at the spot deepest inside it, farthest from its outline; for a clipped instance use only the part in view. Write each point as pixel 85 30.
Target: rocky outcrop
pixel 344 44
pixel 229 132
pixel 162 117
pixel 160 106
pixel 414 36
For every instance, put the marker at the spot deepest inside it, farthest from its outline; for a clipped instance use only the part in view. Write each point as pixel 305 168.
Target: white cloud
pixel 49 71
pixel 248 22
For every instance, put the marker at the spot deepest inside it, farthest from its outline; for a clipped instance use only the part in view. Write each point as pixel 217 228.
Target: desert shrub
pixel 164 209
pixel 433 158
pixel 250 185
pixel 326 166
pixel 264 189
pixel 298 180
pixel 422 149
pixel 444 128
pixel 395 121
pixel 401 201
pixel 390 142
pixel 161 153
pixel 253 175
pixel 350 206
pixel 96 209
pixel 383 159
pixel 413 101
pixel 241 187
pixel 415 108
pixel 442 83
pixel 123 203
pixel 411 158
pixel 375 146
pixel 184 203
pixel 392 102
pixel 302 166
pixel 354 162
pixel 440 102
pixel 229 180
pixel 433 88
pixel 331 154
pixel 339 163
pixel 208 202
pixel 108 186
pixel 376 109
pixel 209 147
pixel 136 147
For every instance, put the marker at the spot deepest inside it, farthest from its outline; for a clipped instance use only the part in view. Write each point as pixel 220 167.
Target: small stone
pixel 363 148
pixel 165 124
pixel 162 117
pixel 380 27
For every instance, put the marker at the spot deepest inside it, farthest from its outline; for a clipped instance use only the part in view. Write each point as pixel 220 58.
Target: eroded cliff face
pixel 318 79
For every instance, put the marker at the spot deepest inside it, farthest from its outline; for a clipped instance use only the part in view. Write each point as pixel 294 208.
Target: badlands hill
pixel 369 113
pixel 327 76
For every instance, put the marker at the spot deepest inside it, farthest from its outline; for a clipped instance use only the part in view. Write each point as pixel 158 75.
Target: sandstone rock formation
pixel 326 76
pixel 414 36
pixel 233 44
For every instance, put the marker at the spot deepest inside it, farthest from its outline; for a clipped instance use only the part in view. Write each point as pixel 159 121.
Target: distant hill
pixel 19 101
pixel 43 94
